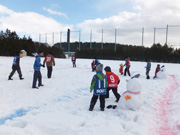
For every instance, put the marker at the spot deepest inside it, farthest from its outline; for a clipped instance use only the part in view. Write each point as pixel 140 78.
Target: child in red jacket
pixel 156 71
pixel 113 81
pixel 121 69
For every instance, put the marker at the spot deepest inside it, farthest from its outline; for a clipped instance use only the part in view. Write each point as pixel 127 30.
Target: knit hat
pixel 107 69
pixel 99 67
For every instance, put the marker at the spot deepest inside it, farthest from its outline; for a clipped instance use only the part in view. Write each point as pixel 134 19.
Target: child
pixel 93 66
pixel 50 62
pixel 113 81
pixel 73 59
pixel 16 67
pixel 148 68
pixel 157 70
pixel 99 87
pixel 121 69
pixel 37 72
pixel 127 64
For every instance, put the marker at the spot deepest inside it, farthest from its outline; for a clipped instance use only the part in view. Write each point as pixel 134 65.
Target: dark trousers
pixel 74 63
pixel 14 69
pixel 94 100
pixel 127 70
pixel 37 76
pixel 49 71
pixel 147 74
pixel 114 90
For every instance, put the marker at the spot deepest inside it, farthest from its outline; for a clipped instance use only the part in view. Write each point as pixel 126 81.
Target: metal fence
pixel 169 35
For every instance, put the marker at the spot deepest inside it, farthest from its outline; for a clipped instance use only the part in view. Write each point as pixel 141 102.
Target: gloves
pixel 53 64
pixel 118 82
pixel 43 65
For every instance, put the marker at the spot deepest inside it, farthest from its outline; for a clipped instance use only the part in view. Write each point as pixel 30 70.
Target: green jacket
pixel 100 76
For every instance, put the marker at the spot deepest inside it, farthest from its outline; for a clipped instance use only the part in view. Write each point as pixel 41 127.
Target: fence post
pixel 154 35
pixel 39 38
pixel 46 38
pixel 102 40
pixel 142 36
pixel 79 40
pixel 68 41
pixel 53 38
pixel 91 39
pixel 60 39
pixel 115 39
pixel 166 34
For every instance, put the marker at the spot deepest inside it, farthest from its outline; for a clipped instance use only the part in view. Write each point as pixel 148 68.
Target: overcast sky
pixel 36 17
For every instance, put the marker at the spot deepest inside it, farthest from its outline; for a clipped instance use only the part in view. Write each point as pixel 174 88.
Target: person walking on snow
pixel 37 72
pixel 16 67
pixel 113 81
pixel 74 60
pixel 99 88
pixel 49 60
pixel 148 68
pixel 127 64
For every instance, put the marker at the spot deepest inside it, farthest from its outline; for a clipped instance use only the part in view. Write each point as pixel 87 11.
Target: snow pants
pixel 14 69
pixel 94 100
pixel 147 74
pixel 127 70
pixel 37 76
pixel 115 92
pixel 74 63
pixel 49 71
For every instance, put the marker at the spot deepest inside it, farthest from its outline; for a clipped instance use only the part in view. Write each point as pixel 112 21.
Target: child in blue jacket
pixel 148 68
pixel 99 88
pixel 37 72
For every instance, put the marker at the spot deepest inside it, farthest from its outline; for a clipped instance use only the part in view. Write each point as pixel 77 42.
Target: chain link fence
pixel 146 37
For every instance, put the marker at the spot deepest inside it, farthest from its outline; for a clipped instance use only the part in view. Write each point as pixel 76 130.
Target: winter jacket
pixel 113 80
pixel 99 84
pixel 93 64
pixel 121 69
pixel 148 66
pixel 96 62
pixel 37 63
pixel 127 63
pixel 73 58
pixel 16 61
pixel 49 60
pixel 157 70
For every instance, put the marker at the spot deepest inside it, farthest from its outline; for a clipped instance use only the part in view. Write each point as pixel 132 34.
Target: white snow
pixel 61 106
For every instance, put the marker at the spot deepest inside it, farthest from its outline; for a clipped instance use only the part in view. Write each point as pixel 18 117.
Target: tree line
pixel 156 53
pixel 10 43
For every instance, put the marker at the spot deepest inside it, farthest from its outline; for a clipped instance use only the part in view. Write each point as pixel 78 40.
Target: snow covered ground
pixel 60 107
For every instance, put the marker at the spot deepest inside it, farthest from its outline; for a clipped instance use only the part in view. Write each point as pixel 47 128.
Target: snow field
pixel 61 106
